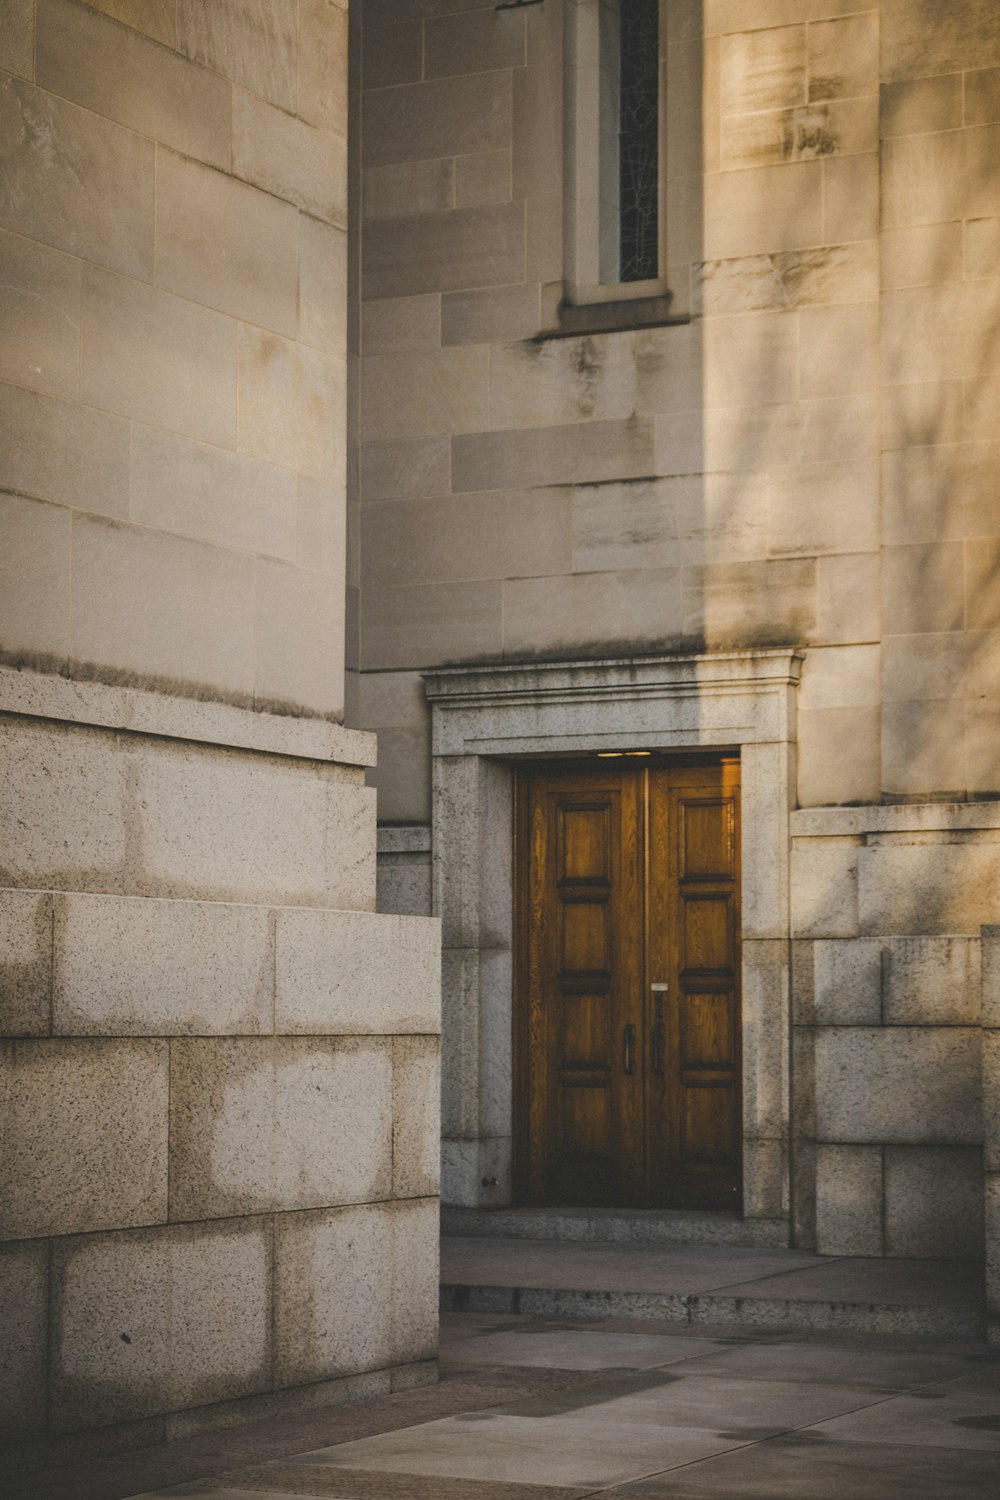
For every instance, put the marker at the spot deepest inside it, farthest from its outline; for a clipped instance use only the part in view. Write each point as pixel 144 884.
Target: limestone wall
pixel 172 345
pixel 808 460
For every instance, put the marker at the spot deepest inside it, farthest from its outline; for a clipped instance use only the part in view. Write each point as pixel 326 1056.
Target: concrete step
pixel 765 1289
pixel 615 1225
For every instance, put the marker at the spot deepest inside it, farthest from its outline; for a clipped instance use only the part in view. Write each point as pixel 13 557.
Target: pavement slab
pixel 624 1410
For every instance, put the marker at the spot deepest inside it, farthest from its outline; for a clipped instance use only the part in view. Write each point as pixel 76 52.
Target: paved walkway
pixel 773 1289
pixel 536 1409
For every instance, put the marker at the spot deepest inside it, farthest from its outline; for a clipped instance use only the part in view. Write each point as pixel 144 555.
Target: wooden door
pixel 627 1085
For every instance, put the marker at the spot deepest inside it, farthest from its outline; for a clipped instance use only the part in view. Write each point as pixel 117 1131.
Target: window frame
pixel 591 221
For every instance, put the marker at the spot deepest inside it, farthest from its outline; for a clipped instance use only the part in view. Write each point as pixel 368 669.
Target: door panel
pixel 695 1102
pixel 582 981
pixel 628 1025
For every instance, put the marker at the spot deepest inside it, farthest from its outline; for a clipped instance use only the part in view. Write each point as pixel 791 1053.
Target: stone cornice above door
pixel 715 699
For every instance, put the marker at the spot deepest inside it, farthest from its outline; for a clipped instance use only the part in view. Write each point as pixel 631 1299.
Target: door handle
pixel 628 1049
pixel 659 1037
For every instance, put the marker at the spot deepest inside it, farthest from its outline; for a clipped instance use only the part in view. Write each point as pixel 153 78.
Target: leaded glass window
pixel 638 140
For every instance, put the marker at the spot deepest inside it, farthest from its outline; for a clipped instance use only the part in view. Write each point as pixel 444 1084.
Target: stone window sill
pixel 613 317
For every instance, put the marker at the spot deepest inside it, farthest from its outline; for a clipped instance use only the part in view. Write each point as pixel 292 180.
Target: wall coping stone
pixel 46 696
pixel 411 838
pixel 908 817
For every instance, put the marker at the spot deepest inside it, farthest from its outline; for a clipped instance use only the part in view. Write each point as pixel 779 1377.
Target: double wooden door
pixel 627 1023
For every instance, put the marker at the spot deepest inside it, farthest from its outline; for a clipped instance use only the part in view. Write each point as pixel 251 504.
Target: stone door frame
pixel 484 718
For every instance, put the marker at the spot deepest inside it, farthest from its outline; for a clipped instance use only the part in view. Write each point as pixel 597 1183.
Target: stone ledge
pixel 413 838
pixel 45 696
pixel 909 817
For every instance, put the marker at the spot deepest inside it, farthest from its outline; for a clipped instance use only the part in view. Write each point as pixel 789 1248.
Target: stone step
pixel 614 1225
pixel 764 1289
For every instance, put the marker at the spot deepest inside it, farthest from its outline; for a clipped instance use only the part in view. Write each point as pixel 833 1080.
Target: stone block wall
pixel 173 209
pixel 218 1073
pixel 889 1011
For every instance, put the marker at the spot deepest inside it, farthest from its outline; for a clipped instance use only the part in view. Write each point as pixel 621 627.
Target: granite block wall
pixel 890 1054
pixel 218 1074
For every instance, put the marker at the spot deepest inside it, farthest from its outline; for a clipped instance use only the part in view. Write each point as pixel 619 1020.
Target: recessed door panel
pixel 628 1036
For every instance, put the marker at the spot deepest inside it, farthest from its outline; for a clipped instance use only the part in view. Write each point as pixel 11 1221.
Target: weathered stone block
pixel 63 452
pixel 356 973
pixel 322 285
pixel 990 972
pixel 251 46
pixel 290 401
pixel 152 1321
pixel 991 1099
pixel 226 244
pixel 402 188
pixel 416 1117
pixel 581 452
pixel 299 637
pixel 35 579
pixel 468 247
pixel 926 37
pixel 158 358
pixel 404 880
pixel 933 1202
pixel 224 829
pixel 391 471
pixel 483 178
pixel 931 981
pixel 333 1293
pixel 86 1127
pixel 132 609
pixel 424 394
pixel 914 106
pixel 415 1237
pixel 423 624
pixel 122 76
pixel 502 535
pixel 824 888
pixel 764 603
pixel 40 317
pixel 848 982
pixel 918 753
pixel 850 198
pixel 562 381
pixel 290 158
pixel 289 1123
pixel 154 17
pixel 762 209
pixel 447 117
pixel 199 490
pixel 321 96
pixel 764 69
pixel 140 967
pixel 928 887
pixel 576 612
pixel 75 180
pixel 849 1200
pixel 24 1296
pixel 25 962
pixel 765 1179
pixel 900 1085
pixel 765 1032
pixel 480 41
pixel 62 819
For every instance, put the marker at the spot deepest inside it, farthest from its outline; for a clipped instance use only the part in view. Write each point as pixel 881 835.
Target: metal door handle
pixel 659 1037
pixel 628 1049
